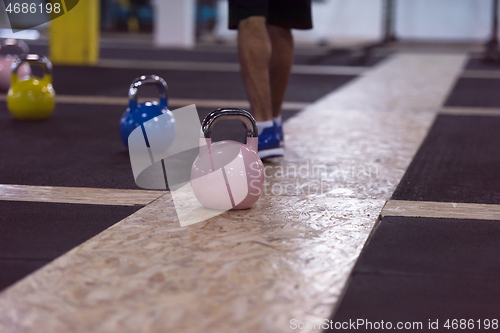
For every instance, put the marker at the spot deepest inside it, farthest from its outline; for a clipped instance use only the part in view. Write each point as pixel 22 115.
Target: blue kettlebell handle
pixel 148 80
pixel 219 114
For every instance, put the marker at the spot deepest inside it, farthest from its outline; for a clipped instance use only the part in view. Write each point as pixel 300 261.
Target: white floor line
pixel 441 210
pixel 224 67
pixel 394 88
pixel 288 257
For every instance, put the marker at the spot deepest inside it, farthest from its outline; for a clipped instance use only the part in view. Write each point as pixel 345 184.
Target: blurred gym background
pixel 336 22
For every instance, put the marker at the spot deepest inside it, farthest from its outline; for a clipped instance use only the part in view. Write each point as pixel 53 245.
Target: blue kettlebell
pixel 138 114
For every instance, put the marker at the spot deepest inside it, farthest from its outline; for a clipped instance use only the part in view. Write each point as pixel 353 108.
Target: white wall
pixel 174 23
pixel 339 20
pixel 345 19
pixel 444 19
pixel 332 20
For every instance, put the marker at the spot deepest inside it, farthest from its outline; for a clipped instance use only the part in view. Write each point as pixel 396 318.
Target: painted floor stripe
pixel 78 195
pixel 467 111
pixel 173 102
pixel 224 67
pixel 441 210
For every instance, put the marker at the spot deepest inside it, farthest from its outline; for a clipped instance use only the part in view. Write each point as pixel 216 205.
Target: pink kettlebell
pixel 228 175
pixel 10 50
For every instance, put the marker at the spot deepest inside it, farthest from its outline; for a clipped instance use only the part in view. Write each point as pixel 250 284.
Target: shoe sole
pixel 272 152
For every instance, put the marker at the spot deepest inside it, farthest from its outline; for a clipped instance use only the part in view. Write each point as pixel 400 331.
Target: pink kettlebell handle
pixel 243 115
pixel 14 46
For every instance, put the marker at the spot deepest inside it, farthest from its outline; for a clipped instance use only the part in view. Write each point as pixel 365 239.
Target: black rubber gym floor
pixel 459 161
pixel 476 62
pixel 79 146
pixel 475 92
pixel 78 80
pixel 416 269
pixel 34 233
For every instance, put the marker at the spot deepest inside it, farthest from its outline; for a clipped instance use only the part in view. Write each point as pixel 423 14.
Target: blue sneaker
pixel 270 143
pixel 279 131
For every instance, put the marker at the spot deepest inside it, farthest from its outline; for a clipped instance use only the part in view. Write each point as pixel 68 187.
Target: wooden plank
pixel 441 210
pixel 79 195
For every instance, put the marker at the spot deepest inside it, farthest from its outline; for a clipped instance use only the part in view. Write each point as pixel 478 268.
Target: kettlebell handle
pixel 16 44
pixel 147 80
pixel 219 114
pixel 33 59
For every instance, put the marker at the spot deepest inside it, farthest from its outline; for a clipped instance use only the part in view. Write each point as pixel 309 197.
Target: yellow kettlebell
pixel 31 98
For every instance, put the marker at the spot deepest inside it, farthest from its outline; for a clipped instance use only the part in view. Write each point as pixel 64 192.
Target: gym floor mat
pixel 185 84
pixel 400 298
pixel 13 270
pixel 416 269
pixel 475 92
pixel 33 233
pixel 459 161
pixel 432 247
pixel 79 146
pixel 479 63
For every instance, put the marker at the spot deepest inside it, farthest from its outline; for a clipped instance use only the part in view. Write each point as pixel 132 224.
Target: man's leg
pixel 281 64
pixel 254 47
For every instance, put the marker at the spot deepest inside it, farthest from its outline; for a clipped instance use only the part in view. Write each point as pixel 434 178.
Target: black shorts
pixel 293 14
